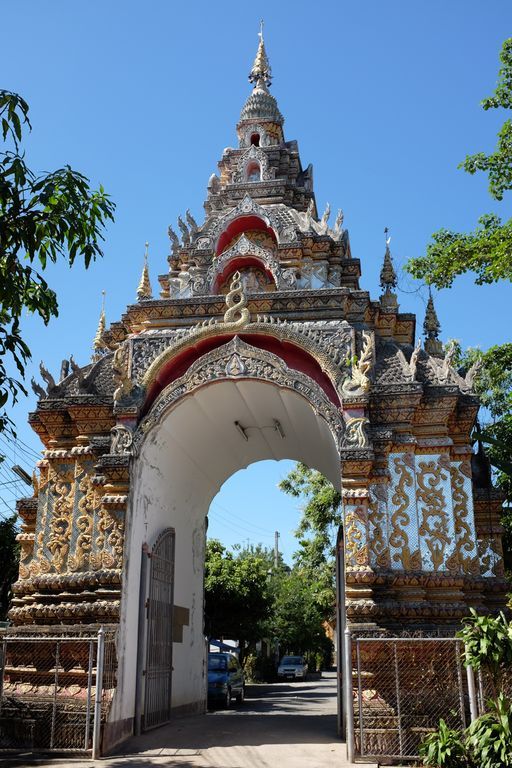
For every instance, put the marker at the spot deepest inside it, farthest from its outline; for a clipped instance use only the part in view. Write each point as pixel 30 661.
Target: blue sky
pixel 383 98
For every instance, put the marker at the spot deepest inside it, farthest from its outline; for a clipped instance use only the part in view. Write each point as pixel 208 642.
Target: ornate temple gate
pixel 160 603
pixel 261 344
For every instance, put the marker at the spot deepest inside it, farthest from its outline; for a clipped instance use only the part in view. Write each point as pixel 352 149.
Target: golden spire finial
pixel 144 288
pixel 97 344
pixel 261 73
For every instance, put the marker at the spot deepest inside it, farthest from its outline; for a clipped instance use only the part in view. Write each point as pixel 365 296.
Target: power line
pixel 238 517
pixel 240 527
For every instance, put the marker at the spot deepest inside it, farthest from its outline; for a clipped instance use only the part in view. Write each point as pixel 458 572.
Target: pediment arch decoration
pixel 238 359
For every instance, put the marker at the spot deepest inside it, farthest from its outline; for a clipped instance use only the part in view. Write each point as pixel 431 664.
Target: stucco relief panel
pixel 464 519
pixel 404 542
pixel 378 533
pixel 356 534
pixel 435 513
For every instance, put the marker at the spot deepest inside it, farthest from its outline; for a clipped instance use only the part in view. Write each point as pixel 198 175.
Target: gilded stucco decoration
pixel 378 536
pixel 243 248
pixel 239 359
pixel 464 522
pixel 403 523
pixel 359 381
pixel 356 536
pixel 436 527
pixel 253 155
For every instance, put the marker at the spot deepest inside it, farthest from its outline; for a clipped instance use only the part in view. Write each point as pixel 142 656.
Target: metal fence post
pixel 55 690
pixel 4 653
pixel 349 695
pixel 398 699
pixel 96 733
pixel 473 705
pixel 89 692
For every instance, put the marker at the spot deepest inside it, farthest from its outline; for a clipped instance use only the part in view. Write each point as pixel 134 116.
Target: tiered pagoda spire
pixel 388 278
pixel 432 329
pixel 261 73
pixel 98 344
pixel 144 289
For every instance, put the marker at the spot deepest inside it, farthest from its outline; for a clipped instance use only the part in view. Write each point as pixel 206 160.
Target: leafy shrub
pixel 489 738
pixel 444 749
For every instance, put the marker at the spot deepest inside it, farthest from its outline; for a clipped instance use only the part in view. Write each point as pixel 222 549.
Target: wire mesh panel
pixel 48 690
pixel 402 687
pixel 158 674
pixel 489 685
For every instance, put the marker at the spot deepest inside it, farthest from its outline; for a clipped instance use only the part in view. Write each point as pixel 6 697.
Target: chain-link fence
pixel 401 687
pixel 489 686
pixel 55 689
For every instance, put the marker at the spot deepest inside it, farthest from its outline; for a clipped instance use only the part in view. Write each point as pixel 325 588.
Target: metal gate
pixel 158 672
pixel 55 688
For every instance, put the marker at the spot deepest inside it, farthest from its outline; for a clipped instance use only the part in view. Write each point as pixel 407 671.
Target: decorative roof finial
pixel 261 73
pixel 97 344
pixel 144 289
pixel 432 329
pixel 388 279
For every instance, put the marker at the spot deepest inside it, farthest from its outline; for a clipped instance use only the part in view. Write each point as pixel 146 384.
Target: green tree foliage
pixel 43 218
pixel 297 618
pixel 316 533
pixel 238 596
pixel 9 557
pixel 487 251
pixel 493 385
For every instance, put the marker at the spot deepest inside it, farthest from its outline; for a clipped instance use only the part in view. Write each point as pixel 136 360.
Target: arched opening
pixel 253 171
pixel 243 224
pixel 183 462
pixel 255 139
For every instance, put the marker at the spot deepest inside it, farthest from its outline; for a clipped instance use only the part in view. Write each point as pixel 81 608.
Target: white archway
pixel 181 465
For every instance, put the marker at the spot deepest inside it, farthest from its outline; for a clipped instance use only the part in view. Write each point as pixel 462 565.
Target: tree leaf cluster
pixel 317 530
pixel 487 251
pixel 43 219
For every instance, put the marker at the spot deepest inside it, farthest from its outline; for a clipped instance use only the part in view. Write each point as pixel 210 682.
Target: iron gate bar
pixel 158 673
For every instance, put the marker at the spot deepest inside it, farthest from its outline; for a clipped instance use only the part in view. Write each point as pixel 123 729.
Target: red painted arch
pixel 243 224
pixel 294 356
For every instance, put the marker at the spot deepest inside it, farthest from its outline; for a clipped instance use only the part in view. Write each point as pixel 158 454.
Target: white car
pixel 292 667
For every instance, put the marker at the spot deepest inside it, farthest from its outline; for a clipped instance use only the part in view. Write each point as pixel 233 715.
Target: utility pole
pixel 276 549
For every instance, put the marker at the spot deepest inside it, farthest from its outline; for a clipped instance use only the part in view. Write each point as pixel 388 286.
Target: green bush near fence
pixel 487 743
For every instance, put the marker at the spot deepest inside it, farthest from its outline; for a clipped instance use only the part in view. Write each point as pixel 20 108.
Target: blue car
pixel 225 680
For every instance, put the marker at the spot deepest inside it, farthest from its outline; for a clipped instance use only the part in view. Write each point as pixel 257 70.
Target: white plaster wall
pixel 182 464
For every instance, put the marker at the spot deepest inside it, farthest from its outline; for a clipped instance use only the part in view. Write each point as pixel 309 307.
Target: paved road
pixel 285 725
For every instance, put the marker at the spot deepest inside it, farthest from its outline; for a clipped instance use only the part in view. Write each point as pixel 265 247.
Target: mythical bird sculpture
pixel 37 388
pixel 413 362
pixel 338 224
pixel 325 216
pixel 185 235
pixel 47 377
pixel 191 222
pixel 359 381
pixel 175 241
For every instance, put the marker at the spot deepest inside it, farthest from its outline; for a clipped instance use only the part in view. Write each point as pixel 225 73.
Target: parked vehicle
pixel 225 679
pixel 293 667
